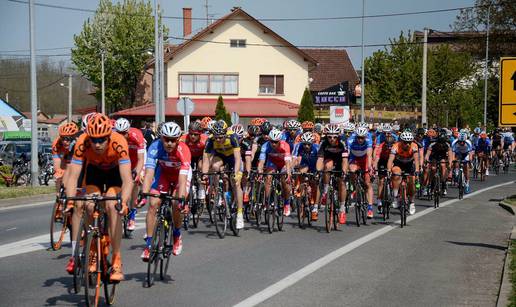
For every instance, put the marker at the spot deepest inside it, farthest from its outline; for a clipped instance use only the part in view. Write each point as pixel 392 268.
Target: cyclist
pixel 62 150
pixel 360 147
pixel 496 144
pixel 404 158
pixel 381 157
pixel 137 150
pixel 168 167
pixel 205 121
pixel 223 151
pixel 305 157
pixel 275 157
pixel 439 152
pixel 196 142
pixel 508 143
pixel 475 136
pixel 333 155
pixel 349 129
pixel 108 171
pixel 308 126
pixel 463 153
pixel 482 150
pixel 292 130
pixel 246 143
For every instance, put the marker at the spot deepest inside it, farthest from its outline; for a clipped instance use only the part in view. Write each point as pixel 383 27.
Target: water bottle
pixel 194 191
pixel 228 197
pixel 201 193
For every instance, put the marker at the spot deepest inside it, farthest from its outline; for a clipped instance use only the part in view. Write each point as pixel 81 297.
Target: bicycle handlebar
pixel 98 198
pixel 163 196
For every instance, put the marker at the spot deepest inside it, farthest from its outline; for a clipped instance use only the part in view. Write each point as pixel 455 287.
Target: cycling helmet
pixel 275 135
pixel 349 127
pixel 363 125
pixel 361 131
pixel 477 130
pixel 68 129
pixel 122 125
pixel 210 125
pixel 292 124
pixel 307 125
pixel 379 128
pixel 84 121
pixel 387 128
pixel 204 122
pixel 443 135
pixel 420 131
pixel 238 130
pixel 219 128
pixel 332 129
pixel 407 136
pixel 307 137
pixel 171 130
pixel 266 127
pixel 483 135
pixel 318 128
pixel 448 132
pixel 158 129
pixel 395 127
pixel 195 127
pixel 253 130
pixel 462 137
pixel 99 126
pixel 432 133
pixel 454 129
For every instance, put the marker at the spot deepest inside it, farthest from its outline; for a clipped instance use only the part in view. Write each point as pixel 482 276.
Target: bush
pixel 5 170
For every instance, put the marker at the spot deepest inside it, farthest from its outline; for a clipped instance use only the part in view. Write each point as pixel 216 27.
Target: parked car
pixel 11 150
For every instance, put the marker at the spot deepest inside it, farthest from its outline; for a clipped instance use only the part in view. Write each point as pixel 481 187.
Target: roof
pixel 175 49
pixel 334 67
pixel 440 35
pixel 245 107
pixel 8 110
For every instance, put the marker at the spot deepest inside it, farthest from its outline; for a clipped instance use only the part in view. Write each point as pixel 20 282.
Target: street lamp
pixel 103 105
pixel 69 87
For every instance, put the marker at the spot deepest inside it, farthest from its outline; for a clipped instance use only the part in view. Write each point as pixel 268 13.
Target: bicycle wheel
pixel 155 256
pixel 461 184
pixel 300 212
pixel 166 253
pixel 335 218
pixel 403 204
pixel 280 205
pixel 93 279
pixel 436 190
pixel 385 204
pixel 79 258
pixel 358 205
pixel 109 287
pixel 193 208
pixel 58 225
pixel 328 210
pixel 269 212
pixel 220 216
pixel 232 216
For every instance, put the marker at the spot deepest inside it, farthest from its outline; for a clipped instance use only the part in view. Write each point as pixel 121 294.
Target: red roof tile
pixel 245 107
pixel 334 67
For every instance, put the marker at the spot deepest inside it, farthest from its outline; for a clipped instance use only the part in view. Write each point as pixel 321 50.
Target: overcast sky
pixel 55 27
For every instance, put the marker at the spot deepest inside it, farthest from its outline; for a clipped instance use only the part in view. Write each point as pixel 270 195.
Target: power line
pixel 39 88
pixel 41 49
pixel 38 55
pixel 279 19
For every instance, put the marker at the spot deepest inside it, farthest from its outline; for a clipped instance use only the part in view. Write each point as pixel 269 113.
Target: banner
pixel 339 114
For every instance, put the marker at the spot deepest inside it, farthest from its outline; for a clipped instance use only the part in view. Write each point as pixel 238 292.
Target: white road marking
pixel 12 228
pixel 293 278
pixel 27 206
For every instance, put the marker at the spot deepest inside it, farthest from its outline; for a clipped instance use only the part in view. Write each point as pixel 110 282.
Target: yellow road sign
pixel 507 107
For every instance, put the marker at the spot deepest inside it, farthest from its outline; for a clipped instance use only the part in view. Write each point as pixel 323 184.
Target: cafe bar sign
pixel 335 95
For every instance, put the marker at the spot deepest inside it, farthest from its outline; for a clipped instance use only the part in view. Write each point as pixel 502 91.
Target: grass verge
pixel 512 268
pixel 511 200
pixel 14 192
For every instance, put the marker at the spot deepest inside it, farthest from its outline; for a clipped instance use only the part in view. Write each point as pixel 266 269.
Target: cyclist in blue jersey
pixel 348 129
pixel 305 157
pixel 483 149
pixel 292 130
pixel 463 152
pixel 386 131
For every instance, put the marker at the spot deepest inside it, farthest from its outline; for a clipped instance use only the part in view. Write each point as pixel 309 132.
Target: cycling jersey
pixel 289 139
pixel 275 158
pixel 245 148
pixel 357 150
pixel 136 144
pixel 404 153
pixel 196 149
pixel 462 150
pixel 259 141
pixel 226 149
pixel 383 151
pixel 483 145
pixel 117 152
pixel 508 139
pixel 308 157
pixel 59 151
pixel 168 166
pixel 333 152
pixel 496 141
pixel 380 138
pixel 439 150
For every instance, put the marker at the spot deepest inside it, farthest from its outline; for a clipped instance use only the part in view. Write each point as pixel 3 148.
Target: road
pixel 449 256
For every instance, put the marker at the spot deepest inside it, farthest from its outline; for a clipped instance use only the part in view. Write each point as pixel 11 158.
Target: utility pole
pixel 156 64
pixel 362 84
pixel 70 98
pixel 423 93
pixel 6 97
pixel 33 101
pixel 486 65
pixel 103 105
pixel 207 14
pixel 161 71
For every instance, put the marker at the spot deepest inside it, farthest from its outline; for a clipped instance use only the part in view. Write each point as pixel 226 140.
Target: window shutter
pixel 279 84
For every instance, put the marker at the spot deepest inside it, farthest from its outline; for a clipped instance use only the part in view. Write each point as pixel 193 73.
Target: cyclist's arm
pixel 74 171
pixel 345 165
pixel 370 158
pixel 428 153
pixel 238 160
pixel 147 180
pixel 416 160
pixel 390 163
pixel 139 164
pixel 181 184
pixel 320 164
pixel 261 163
pixel 450 157
pixel 127 181
pixel 206 162
pixel 248 160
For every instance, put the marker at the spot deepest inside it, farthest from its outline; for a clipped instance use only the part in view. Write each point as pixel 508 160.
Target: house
pixel 10 117
pixel 48 125
pixel 258 72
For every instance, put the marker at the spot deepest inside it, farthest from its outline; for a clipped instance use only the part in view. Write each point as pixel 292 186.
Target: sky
pixel 55 28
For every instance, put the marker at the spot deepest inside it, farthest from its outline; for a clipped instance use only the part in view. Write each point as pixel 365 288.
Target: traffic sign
pixel 185 106
pixel 507 107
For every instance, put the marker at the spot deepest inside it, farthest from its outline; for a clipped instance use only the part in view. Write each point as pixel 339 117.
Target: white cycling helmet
pixel 332 129
pixel 349 127
pixel 361 131
pixel 171 130
pixel 122 125
pixel 307 137
pixel 387 128
pixel 379 128
pixel 396 127
pixel 85 118
pixel 238 130
pixel 363 125
pixel 463 136
pixel 210 124
pixel 407 136
pixel 275 135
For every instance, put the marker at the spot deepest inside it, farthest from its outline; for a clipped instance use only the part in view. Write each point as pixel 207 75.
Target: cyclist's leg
pixel 115 222
pixel 269 168
pixel 160 184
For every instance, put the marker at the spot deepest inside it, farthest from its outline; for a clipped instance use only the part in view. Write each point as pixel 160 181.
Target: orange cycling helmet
pixel 99 126
pixel 68 129
pixel 205 121
pixel 307 125
pixel 432 133
pixel 483 135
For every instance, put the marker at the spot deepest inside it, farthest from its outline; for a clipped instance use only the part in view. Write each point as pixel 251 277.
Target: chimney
pixel 187 21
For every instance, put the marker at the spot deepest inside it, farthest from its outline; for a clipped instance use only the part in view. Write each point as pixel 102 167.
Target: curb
pixel 507 206
pixel 506 285
pixel 26 200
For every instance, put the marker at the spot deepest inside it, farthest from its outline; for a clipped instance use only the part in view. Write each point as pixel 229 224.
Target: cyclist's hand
pixel 204 179
pixel 141 201
pixel 238 176
pixel 124 210
pixel 69 206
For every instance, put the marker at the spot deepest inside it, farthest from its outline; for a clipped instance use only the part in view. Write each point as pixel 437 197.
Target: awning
pixel 245 107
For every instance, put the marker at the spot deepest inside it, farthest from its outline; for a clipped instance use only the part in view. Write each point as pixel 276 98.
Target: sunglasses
pixel 195 134
pixel 360 138
pixel 220 137
pixel 98 140
pixel 67 138
pixel 274 142
pixel 170 140
pixel 333 136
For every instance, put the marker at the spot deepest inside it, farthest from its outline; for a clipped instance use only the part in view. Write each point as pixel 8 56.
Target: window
pixel 237 43
pixel 208 84
pixel 271 84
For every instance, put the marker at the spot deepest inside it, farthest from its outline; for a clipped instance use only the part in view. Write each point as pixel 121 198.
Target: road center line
pixel 298 275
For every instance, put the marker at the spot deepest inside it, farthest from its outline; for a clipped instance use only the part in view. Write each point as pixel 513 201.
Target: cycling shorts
pixel 407 167
pixel 361 162
pixel 101 178
pixel 165 181
pixel 269 165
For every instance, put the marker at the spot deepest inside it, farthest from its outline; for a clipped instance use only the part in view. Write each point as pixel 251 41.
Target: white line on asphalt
pixel 27 206
pixel 293 278
pixel 12 228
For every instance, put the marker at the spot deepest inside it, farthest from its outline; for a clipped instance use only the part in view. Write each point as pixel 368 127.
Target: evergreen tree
pixel 306 109
pixel 220 111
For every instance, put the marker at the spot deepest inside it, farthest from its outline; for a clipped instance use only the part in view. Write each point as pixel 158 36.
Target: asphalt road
pixel 449 256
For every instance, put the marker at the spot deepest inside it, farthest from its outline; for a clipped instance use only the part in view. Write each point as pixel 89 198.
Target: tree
pixel 123 31
pixel 220 111
pixel 306 108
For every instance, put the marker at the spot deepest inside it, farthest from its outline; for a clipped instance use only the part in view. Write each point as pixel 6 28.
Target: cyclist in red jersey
pixel 137 146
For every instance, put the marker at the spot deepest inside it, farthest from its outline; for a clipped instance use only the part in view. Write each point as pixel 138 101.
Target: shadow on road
pixel 69 299
pixel 502 248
